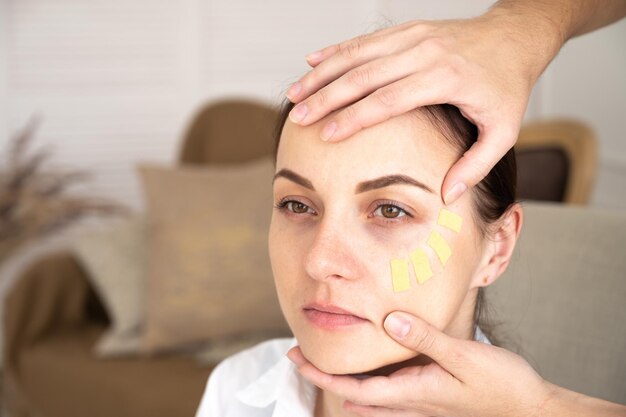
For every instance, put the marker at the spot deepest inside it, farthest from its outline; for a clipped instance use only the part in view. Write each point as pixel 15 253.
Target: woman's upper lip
pixel 331 308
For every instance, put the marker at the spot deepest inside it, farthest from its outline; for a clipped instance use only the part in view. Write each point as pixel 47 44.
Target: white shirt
pixel 263 382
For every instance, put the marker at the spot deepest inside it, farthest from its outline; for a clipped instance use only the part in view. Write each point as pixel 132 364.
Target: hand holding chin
pixel 468 378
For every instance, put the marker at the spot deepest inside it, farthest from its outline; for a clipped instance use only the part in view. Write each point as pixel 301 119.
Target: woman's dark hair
pixel 492 197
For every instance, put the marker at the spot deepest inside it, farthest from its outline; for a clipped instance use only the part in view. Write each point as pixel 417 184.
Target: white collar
pixel 283 384
pixel 479 336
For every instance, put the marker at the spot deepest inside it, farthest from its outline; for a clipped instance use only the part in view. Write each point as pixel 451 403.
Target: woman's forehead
pixel 404 144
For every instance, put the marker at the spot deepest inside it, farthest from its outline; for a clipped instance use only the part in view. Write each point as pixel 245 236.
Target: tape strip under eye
pixel 440 246
pixel 418 257
pixel 400 275
pixel 450 220
pixel 421 265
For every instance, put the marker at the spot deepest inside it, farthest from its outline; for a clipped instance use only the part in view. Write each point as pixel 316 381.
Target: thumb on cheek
pixel 417 335
pixel 421 337
pixel 397 325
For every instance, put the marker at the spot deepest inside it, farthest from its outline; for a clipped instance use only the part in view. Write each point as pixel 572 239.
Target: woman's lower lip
pixel 327 320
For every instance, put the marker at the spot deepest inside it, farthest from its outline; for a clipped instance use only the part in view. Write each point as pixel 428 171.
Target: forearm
pixel 570 17
pixel 565 403
pixel 539 28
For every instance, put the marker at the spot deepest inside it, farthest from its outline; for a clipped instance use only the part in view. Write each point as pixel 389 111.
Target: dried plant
pixel 34 199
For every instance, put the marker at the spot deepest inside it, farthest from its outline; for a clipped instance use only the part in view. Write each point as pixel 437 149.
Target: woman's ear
pixel 499 245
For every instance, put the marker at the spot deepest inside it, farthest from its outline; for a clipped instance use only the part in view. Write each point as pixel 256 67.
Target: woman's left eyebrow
pixel 388 180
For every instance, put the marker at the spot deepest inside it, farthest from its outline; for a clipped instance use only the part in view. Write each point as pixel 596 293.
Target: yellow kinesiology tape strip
pixel 450 220
pixel 400 275
pixel 421 265
pixel 440 246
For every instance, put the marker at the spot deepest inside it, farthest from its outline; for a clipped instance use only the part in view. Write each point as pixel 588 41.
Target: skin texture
pixel 338 250
pixel 486 66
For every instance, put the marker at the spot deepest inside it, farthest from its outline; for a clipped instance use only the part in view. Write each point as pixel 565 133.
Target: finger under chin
pixel 315 376
pixel 296 356
pixel 376 390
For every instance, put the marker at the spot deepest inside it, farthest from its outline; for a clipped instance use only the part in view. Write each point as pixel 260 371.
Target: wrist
pixel 537 31
pixel 561 402
pixel 548 401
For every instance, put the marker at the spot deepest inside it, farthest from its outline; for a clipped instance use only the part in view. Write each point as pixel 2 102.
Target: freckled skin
pixel 340 252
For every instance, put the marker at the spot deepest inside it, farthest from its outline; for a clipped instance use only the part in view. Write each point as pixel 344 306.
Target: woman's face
pixel 343 218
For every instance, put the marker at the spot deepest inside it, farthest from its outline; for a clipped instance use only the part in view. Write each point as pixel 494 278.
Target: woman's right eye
pixel 295 207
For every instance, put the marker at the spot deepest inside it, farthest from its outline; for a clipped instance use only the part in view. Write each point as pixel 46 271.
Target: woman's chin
pixel 356 361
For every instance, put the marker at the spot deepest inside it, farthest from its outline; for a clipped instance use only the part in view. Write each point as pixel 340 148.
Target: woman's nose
pixel 332 254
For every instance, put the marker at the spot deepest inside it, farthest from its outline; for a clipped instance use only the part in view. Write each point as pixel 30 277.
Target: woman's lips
pixel 331 317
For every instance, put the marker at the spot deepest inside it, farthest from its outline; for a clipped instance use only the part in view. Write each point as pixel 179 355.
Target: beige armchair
pixel 557 161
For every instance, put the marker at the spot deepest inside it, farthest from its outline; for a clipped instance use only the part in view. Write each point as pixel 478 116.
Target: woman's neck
pixel 329 404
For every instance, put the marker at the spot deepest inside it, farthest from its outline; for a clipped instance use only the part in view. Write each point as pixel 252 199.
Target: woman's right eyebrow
pixel 292 176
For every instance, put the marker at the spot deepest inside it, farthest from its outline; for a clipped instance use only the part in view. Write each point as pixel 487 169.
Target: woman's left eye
pixel 390 211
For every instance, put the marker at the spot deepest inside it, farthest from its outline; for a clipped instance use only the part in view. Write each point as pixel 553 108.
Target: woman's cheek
pixel 287 251
pixel 285 278
pixel 439 298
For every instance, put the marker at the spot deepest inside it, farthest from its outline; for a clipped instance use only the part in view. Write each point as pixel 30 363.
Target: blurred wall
pixel 588 80
pixel 116 82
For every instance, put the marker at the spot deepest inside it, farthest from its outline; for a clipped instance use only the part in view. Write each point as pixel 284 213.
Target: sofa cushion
pixel 209 276
pixel 114 256
pixel 561 301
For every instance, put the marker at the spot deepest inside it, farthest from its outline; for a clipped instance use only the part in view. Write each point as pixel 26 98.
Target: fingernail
pixel 455 192
pixel 328 131
pixel 314 56
pixel 298 113
pixel 294 90
pixel 397 325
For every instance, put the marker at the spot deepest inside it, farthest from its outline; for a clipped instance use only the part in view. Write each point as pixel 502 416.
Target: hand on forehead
pixel 407 144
